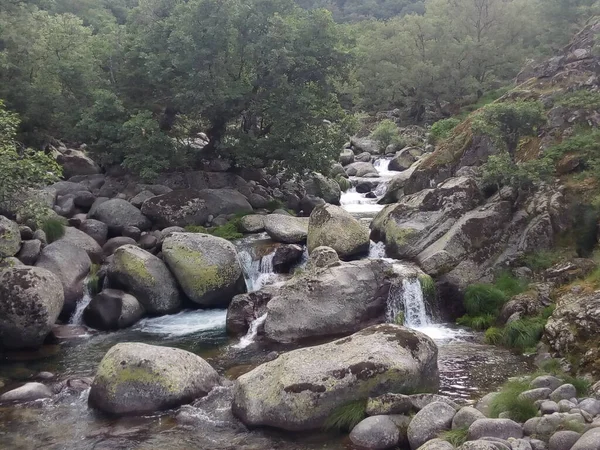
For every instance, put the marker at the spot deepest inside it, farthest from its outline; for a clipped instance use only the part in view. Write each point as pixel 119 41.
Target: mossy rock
pixel 331 226
pixel 10 238
pixel 146 277
pixel 135 378
pixel 206 267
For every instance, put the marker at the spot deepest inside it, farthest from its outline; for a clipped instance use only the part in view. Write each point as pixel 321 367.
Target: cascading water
pixel 377 250
pixel 407 299
pixel 77 316
pixel 257 272
pixel 252 332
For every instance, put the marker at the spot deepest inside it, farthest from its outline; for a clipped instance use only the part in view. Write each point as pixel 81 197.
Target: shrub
pixel 442 129
pixel 509 284
pixel 508 400
pixel 581 99
pixel 483 299
pixel 54 228
pixel 347 416
pixel 500 170
pixel 479 323
pixel 524 333
pixel 456 437
pixel 386 133
pixel 494 336
pixel 540 260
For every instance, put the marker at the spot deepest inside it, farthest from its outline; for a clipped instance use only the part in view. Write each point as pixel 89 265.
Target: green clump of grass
pixel 494 336
pixel 229 231
pixel 456 437
pixel 93 280
pixel 508 400
pixel 274 204
pixel 524 333
pixel 54 228
pixel 479 323
pixel 483 299
pixel 542 260
pixel 427 285
pixel 509 284
pixel 347 416
pixel 195 229
pixel 582 386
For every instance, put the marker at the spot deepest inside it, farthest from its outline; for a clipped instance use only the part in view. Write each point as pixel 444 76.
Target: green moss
pixel 134 266
pixel 93 281
pixel 196 229
pixel 427 285
pixel 399 319
pixel 397 235
pixel 117 375
pixel 480 323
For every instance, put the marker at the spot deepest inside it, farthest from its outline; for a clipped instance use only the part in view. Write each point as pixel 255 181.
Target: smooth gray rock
pixel 590 405
pixel 566 405
pixel 30 252
pixel 112 309
pixel 376 432
pixel 498 428
pixel 113 244
pixel 547 425
pixel 429 423
pixel 27 393
pixel 286 229
pixel 589 441
pixel 83 241
pixel 96 229
pixel 436 444
pixel 564 392
pixel 549 407
pixel 118 214
pixel 563 440
pixel 252 223
pixel 465 417
pixel 536 394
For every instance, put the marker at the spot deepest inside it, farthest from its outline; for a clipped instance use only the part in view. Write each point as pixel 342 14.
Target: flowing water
pixel 468 368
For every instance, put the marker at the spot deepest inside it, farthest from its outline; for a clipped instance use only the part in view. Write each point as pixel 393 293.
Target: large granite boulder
pixel 83 241
pixel 75 162
pixel 300 389
pixel 207 267
pixel 31 299
pixel 137 378
pixel 177 208
pixel 331 226
pixel 286 229
pixel 429 422
pixel 146 277
pixel 71 265
pixel 10 238
pixel 118 214
pixel 323 187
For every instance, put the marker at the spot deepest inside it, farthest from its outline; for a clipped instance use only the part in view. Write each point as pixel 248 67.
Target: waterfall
pixel 77 316
pixel 407 298
pixel 252 332
pixel 257 272
pixel 377 250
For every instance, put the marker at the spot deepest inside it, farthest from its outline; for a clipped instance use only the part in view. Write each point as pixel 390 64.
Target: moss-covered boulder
pixel 146 277
pixel 10 238
pixel 301 389
pixel 323 187
pixel 207 267
pixel 31 299
pixel 135 378
pixel 331 226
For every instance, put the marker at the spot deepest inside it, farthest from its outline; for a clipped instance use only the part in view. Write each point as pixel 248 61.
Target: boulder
pixel 118 214
pixel 402 161
pixel 30 252
pixel 389 404
pixel 71 265
pixel 437 444
pixel 225 201
pixel 343 299
pixel 322 257
pixel 96 229
pixel 495 428
pixel 10 238
pixel 310 202
pixel 563 440
pixel 76 162
pixel 258 201
pixel 146 277
pixel 429 423
pixel 148 242
pixel 420 401
pixel 139 199
pixel 286 229
pixel 27 393
pixel 301 388
pixel 135 378
pixel 177 208
pixel 113 244
pixel 564 392
pixel 132 232
pixel 325 188
pixel 465 417
pixel 245 309
pixel 252 223
pixel 589 441
pixel 66 187
pixel 112 309
pixel 286 256
pixel 206 267
pixel 83 241
pixel 361 145
pixel 546 381
pixel 31 299
pixel 363 157
pixel 360 169
pixel 346 157
pixel 376 432
pixel 84 199
pixel 332 226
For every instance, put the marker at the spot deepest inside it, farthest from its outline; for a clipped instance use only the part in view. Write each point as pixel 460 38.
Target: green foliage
pixel 507 122
pixel 54 228
pixel 552 366
pixel 580 99
pixel 572 425
pixel 442 129
pixel 427 285
pixel 494 336
pixel 509 284
pixel 509 400
pixel 274 204
pixel 93 280
pixel 479 323
pixel 386 133
pixel 347 416
pixel 485 99
pixel 195 229
pixel 229 231
pixel 523 334
pixel 481 299
pixel 400 318
pixel 501 170
pixel 540 260
pixel 456 437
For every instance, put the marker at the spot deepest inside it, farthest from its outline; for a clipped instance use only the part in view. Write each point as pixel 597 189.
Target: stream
pixel 468 368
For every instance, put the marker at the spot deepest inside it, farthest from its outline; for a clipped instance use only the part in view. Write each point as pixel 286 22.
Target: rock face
pixel 137 378
pixel 286 229
pixel 118 214
pixel 146 277
pixel 360 169
pixel 31 299
pixel 207 267
pixel 301 388
pixel 112 309
pixel 331 226
pixel 245 309
pixel 10 238
pixel 343 299
pixel 71 265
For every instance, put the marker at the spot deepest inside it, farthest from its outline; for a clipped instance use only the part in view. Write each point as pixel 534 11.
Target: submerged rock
pixel 207 267
pixel 135 378
pixel 27 393
pixel 300 389
pixel 331 226
pixel 31 299
pixel 146 277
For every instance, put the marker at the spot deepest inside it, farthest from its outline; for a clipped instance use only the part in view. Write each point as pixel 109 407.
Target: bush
pixel 54 228
pixel 509 400
pixel 509 284
pixel 456 437
pixel 541 260
pixel 229 231
pixel 442 129
pixel 347 416
pixel 500 170
pixel 479 323
pixel 386 133
pixel 483 299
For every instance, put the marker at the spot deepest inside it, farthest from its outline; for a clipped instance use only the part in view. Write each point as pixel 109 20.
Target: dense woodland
pixel 266 80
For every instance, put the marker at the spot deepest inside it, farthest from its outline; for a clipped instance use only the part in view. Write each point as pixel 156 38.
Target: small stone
pixel 549 407
pixel 498 428
pixel 548 425
pixel 565 406
pixel 590 405
pixel 465 417
pixel 27 393
pixel 536 394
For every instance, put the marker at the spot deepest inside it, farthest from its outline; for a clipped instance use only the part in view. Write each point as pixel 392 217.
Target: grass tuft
pixel 524 333
pixel 456 437
pixel 508 400
pixel 483 299
pixel 479 323
pixel 494 336
pixel 93 281
pixel 427 285
pixel 347 416
pixel 54 228
pixel 509 284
